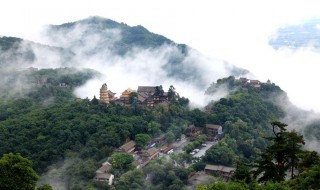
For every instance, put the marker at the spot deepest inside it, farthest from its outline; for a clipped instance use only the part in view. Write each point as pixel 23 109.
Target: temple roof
pixel 146 89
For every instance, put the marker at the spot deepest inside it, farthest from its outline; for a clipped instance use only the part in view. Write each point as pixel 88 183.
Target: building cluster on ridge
pixel 254 83
pixel 149 96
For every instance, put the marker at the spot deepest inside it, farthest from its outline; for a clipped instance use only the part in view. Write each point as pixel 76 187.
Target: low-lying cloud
pixel 190 75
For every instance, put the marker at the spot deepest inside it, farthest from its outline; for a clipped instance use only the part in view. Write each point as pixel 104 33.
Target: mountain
pixel 117 37
pixel 103 44
pixel 306 34
pixel 113 43
pixel 18 53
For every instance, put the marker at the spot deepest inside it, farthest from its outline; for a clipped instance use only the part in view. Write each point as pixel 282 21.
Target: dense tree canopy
pixel 16 173
pixel 55 127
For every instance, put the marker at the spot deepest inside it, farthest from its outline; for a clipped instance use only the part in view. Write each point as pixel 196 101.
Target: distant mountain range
pixel 306 34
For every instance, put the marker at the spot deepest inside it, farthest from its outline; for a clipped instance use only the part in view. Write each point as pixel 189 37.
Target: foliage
pixel 166 176
pixel 307 180
pixel 73 173
pixel 19 53
pixel 43 86
pixel 159 91
pixel 9 42
pixel 193 145
pixel 172 94
pixel 121 161
pixel 181 158
pixel 93 130
pixel 307 160
pixel 133 98
pixel 222 185
pixel 131 180
pixel 312 131
pixel 45 187
pixel 198 118
pixel 242 173
pixel 53 129
pixel 16 173
pixel 141 140
pixel 170 137
pixel 222 84
pixel 220 154
pixel 136 36
pixel 244 116
pixel 279 156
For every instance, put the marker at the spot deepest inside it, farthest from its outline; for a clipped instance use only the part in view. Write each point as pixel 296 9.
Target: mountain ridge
pixel 110 43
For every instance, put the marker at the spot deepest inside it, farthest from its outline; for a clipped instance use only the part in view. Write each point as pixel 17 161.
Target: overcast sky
pixel 232 30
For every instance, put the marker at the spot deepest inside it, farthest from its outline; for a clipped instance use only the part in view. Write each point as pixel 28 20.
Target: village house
pixel 143 158
pixel 213 132
pixel 103 175
pixel 223 171
pixel 193 129
pixel 208 107
pixel 127 147
pixel 255 83
pixel 137 164
pixel 148 90
pixel 43 81
pixel 159 140
pixel 213 129
pixel 168 149
pixel 244 80
pixel 151 153
pixel 63 85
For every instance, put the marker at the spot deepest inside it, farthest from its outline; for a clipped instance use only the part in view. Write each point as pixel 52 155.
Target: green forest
pixel 69 138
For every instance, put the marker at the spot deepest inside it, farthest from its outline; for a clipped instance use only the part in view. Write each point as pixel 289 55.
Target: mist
pixel 295 70
pixel 138 67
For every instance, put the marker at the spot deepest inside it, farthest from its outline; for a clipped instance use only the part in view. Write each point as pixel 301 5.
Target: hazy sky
pixel 232 30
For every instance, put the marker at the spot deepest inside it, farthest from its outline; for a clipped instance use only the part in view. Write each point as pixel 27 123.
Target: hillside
pixel 42 84
pixel 63 132
pixel 17 53
pixel 66 126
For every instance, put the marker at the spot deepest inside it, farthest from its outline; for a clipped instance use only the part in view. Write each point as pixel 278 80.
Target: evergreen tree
pixel 159 91
pixel 283 154
pixel 95 100
pixel 172 95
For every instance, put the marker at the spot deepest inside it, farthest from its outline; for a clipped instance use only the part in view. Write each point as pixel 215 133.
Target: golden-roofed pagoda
pixel 125 96
pixel 106 95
